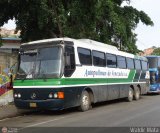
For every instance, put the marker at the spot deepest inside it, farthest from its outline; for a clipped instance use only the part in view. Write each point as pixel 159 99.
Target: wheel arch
pixel 139 87
pixel 132 86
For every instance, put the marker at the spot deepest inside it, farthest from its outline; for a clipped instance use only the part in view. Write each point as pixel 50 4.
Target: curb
pixel 8 111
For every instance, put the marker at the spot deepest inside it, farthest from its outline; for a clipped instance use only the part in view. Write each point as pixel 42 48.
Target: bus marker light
pixel 19 95
pixel 15 95
pixel 61 95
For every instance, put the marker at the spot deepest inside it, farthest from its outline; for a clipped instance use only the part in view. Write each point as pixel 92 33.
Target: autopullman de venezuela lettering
pixel 108 73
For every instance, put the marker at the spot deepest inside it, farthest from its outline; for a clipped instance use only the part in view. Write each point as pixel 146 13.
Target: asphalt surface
pixel 118 113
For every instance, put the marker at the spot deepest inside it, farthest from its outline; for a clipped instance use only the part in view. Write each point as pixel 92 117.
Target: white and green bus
pixel 60 73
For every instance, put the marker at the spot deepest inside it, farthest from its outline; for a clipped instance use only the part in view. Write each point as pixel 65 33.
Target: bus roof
pixel 152 56
pixel 95 43
pixel 88 43
pixel 48 40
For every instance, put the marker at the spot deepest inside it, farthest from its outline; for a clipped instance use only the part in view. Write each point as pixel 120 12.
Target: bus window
pixel 85 57
pixel 152 62
pixel 130 63
pixel 99 59
pixel 137 64
pixel 111 60
pixel 121 62
pixel 159 62
pixel 69 61
pixel 144 65
pixel 152 77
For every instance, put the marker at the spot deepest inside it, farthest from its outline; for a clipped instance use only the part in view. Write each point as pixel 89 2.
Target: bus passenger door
pixel 69 68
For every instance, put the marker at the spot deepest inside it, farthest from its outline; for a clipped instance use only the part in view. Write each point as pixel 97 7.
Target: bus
pixel 154 69
pixel 60 73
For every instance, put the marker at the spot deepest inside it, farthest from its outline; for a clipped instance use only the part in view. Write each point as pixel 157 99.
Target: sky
pixel 147 36
pixel 10 25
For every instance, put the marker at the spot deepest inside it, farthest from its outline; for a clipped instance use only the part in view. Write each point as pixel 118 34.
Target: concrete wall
pixel 8 66
pixel 8 62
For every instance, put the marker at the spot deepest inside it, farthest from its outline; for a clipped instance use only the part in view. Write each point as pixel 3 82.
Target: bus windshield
pixel 40 63
pixel 153 62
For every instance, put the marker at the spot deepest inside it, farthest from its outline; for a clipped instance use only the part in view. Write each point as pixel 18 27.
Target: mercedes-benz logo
pixel 33 95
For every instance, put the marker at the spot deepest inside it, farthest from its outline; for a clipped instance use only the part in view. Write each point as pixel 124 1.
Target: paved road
pixel 118 113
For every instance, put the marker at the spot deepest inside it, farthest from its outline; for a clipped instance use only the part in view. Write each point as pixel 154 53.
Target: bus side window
pixel 158 74
pixel 99 58
pixel 137 64
pixel 121 62
pixel 130 63
pixel 111 60
pixel 158 62
pixel 144 65
pixel 85 56
pixel 69 61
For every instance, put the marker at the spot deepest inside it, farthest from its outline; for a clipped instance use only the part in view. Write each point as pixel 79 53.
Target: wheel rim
pixel 85 101
pixel 137 94
pixel 130 94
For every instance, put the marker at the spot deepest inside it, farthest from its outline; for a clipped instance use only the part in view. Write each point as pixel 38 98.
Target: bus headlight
pixel 15 95
pixel 55 95
pixel 19 95
pixel 50 95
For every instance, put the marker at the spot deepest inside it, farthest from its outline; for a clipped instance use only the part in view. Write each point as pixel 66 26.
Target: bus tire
pixel 85 102
pixel 137 94
pixel 130 95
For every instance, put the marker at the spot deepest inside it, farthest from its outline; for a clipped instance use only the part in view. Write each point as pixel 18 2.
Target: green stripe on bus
pixel 73 81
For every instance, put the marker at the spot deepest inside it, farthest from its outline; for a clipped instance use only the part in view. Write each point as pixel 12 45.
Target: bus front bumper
pixel 154 88
pixel 49 104
pixel 157 91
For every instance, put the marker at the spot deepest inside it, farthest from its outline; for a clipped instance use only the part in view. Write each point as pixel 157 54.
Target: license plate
pixel 33 105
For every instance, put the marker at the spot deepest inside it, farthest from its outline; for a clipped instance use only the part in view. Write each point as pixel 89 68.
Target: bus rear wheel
pixel 85 102
pixel 137 94
pixel 130 95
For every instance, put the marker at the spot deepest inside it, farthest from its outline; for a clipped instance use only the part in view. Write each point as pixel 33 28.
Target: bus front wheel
pixel 85 102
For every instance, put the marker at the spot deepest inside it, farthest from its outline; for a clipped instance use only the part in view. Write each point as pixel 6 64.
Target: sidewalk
pixel 8 111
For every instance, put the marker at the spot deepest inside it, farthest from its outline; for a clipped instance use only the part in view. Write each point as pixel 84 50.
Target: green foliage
pixel 102 20
pixel 156 51
pixel 0 39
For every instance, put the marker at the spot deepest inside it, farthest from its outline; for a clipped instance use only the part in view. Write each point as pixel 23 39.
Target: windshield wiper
pixel 21 74
pixel 26 75
pixel 42 75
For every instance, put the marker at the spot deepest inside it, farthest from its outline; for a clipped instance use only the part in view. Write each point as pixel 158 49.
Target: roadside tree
pixel 106 21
